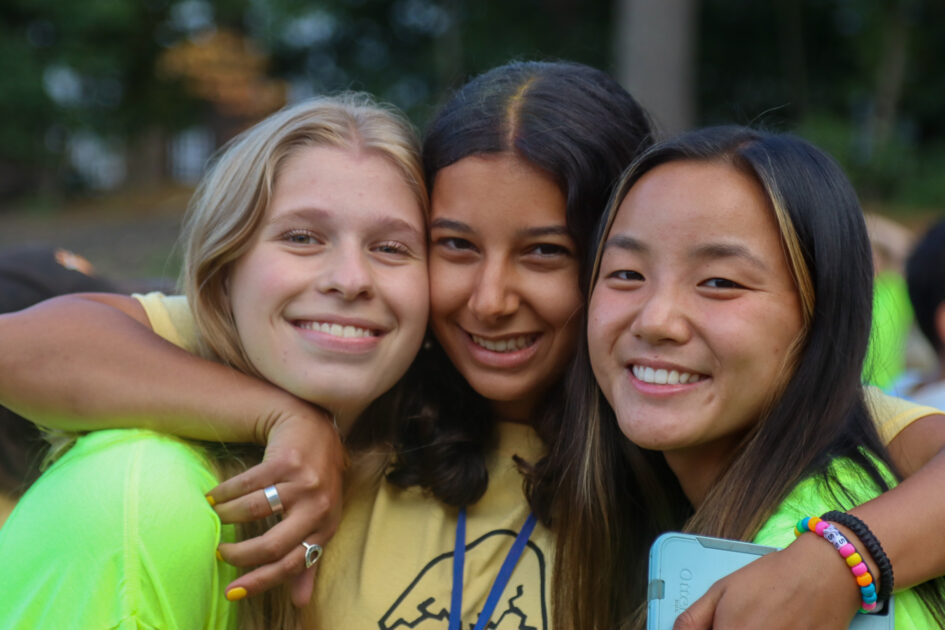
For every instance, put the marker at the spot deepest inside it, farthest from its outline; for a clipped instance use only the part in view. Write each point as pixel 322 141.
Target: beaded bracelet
pixel 872 546
pixel 864 579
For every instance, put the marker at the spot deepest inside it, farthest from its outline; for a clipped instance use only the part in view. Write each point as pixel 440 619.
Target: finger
pixel 251 507
pixel 280 540
pixel 301 586
pixel 256 478
pixel 700 614
pixel 268 576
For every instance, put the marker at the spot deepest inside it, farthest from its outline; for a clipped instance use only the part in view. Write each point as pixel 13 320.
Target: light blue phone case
pixel 684 566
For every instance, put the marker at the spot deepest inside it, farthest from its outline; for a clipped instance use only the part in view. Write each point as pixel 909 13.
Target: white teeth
pixel 337 330
pixel 505 345
pixel 664 377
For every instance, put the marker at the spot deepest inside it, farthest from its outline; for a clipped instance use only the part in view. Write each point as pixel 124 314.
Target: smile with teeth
pixel 504 345
pixel 337 330
pixel 664 377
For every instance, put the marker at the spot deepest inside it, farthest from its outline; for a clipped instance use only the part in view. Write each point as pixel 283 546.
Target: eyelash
pixel 454 243
pixel 621 274
pixel 729 284
pixel 292 235
pixel 399 248
pixel 556 250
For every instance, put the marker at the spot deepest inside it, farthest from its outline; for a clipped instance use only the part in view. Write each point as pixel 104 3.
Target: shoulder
pixel 123 510
pixel 892 414
pixel 846 485
pixel 170 317
pixel 130 479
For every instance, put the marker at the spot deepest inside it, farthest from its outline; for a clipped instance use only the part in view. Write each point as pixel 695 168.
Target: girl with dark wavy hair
pixel 727 327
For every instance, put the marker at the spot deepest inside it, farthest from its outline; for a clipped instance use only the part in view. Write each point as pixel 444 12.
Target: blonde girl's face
pixel 504 279
pixel 694 311
pixel 331 299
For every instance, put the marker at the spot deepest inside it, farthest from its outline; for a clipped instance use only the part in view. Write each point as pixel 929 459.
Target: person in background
pixel 925 277
pixel 892 314
pixel 28 275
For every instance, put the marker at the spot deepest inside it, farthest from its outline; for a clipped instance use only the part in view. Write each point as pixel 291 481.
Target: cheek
pixel 411 298
pixel 449 287
pixel 598 341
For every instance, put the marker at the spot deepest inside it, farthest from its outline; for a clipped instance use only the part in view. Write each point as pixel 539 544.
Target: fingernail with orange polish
pixel 236 594
pixel 219 557
pixel 211 500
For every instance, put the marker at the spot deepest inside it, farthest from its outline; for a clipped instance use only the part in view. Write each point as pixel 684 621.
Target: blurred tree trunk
pixel 891 73
pixel 448 47
pixel 793 53
pixel 655 43
pixel 146 159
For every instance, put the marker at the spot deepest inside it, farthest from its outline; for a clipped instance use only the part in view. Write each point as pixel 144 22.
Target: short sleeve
pixel 171 318
pixel 117 534
pixel 892 414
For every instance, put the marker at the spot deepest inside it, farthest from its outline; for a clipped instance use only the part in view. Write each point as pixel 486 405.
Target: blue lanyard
pixel 505 572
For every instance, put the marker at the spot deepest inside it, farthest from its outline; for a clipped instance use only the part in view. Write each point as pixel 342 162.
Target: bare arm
pixel 91 361
pixel 778 589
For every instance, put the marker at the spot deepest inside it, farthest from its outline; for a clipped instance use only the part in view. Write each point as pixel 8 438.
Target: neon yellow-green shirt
pixel 117 534
pixel 813 497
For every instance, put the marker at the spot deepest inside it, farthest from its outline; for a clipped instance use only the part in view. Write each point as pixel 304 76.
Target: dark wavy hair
pixel 578 125
pixel 619 497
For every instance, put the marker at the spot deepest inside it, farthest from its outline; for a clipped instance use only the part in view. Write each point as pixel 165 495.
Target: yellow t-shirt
pixel 390 563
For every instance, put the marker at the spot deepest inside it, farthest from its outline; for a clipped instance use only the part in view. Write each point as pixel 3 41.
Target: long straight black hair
pixel 620 497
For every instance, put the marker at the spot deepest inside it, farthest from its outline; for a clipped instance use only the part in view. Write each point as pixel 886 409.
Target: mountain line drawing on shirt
pixel 425 603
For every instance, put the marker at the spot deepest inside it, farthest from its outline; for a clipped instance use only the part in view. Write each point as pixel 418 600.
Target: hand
pixel 305 461
pixel 807 585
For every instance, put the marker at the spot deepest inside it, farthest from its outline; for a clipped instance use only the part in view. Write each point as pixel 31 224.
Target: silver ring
pixel 272 496
pixel 313 552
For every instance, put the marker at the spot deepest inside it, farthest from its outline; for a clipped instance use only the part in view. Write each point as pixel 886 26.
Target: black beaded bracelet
pixel 872 546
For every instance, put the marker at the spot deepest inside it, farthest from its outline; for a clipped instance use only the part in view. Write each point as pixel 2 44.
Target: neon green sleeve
pixel 117 534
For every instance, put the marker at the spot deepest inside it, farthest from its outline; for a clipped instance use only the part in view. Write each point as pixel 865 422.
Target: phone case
pixel 684 566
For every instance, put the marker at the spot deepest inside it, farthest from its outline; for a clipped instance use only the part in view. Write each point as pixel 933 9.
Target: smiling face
pixel 503 279
pixel 331 299
pixel 694 312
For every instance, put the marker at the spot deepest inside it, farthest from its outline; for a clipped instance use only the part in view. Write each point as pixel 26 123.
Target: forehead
pixel 698 200
pixel 345 181
pixel 497 191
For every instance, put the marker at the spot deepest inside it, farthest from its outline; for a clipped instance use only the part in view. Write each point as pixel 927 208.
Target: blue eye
pixel 392 247
pixel 300 237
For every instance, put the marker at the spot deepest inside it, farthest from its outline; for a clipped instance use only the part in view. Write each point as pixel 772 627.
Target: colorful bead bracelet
pixel 864 579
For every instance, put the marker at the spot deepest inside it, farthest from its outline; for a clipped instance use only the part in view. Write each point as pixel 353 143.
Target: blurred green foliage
pixel 860 77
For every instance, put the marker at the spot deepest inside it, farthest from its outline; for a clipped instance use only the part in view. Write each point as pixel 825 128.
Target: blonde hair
pixel 231 200
pixel 223 216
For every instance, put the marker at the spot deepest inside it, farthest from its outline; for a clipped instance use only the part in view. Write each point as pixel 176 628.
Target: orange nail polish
pixel 210 500
pixel 236 594
pixel 219 557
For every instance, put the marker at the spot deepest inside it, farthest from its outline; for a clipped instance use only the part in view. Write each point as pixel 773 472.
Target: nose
pixel 495 294
pixel 661 318
pixel 346 272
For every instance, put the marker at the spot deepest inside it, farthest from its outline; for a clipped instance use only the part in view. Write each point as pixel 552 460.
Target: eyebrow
pixel 727 250
pixel 625 242
pixel 708 251
pixel 544 230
